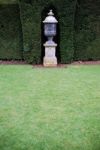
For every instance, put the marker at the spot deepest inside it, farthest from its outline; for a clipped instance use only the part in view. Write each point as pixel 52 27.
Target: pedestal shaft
pixel 50 55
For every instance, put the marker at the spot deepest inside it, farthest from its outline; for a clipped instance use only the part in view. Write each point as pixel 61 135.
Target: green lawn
pixel 49 108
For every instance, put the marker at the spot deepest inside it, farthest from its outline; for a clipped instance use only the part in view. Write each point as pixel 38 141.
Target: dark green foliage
pixel 10 32
pixel 31 26
pixel 65 14
pixel 21 29
pixel 87 30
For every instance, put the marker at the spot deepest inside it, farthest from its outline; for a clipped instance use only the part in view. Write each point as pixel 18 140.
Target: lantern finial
pixel 51 13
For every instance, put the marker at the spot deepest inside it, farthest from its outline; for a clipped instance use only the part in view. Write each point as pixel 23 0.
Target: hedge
pixel 21 30
pixel 11 46
pixel 87 30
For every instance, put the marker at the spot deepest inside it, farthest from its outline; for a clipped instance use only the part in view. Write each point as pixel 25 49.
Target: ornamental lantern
pixel 50 25
pixel 50 29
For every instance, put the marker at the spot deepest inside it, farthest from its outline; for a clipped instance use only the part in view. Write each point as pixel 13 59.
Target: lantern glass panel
pixel 50 29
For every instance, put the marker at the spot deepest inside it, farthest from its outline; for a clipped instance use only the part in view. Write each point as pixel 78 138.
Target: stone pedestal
pixel 50 59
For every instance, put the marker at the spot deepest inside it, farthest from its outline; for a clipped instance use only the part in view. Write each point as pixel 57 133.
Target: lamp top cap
pixel 50 18
pixel 51 13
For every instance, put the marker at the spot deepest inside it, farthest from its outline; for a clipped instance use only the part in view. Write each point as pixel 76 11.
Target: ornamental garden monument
pixel 50 28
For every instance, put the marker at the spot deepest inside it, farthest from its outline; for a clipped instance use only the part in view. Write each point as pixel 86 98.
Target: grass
pixel 49 109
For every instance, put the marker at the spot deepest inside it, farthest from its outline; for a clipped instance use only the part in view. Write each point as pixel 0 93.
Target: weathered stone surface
pixel 50 62
pixel 50 57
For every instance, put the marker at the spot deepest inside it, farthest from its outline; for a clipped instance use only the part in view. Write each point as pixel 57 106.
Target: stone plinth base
pixel 50 62
pixel 50 59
